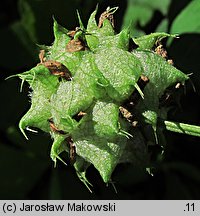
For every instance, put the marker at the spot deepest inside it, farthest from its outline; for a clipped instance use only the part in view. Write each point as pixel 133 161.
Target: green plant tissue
pixel 104 74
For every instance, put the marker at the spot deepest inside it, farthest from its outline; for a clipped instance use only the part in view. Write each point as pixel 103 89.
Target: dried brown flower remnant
pixel 75 45
pixel 81 113
pixel 55 68
pixel 170 61
pixel 108 14
pixel 128 116
pixel 73 32
pixel 72 150
pixel 161 51
pixel 144 78
pixel 41 56
pixel 125 113
pixel 79 116
pixel 178 85
pixel 54 128
pixel 58 69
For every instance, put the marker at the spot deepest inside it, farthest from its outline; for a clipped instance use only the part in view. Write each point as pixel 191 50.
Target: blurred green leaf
pixel 141 11
pixel 156 4
pixel 28 20
pixel 188 20
pixel 163 26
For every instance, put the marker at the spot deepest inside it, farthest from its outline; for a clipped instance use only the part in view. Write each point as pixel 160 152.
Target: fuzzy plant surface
pixel 101 99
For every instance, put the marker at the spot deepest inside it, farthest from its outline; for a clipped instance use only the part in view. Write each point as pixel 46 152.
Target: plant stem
pixel 182 128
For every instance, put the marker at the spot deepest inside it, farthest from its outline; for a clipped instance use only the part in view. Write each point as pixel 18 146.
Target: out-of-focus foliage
pixel 188 20
pixel 140 12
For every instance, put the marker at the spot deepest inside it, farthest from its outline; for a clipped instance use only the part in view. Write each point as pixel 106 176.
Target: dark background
pixel 26 169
